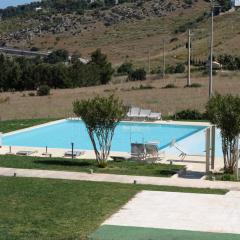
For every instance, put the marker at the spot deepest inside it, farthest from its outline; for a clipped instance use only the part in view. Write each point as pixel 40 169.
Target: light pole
pixel 210 65
pixel 237 150
pixel 210 88
pixel 189 58
pixel 164 60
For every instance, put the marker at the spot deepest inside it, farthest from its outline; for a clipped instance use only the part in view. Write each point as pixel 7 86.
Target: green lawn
pixel 223 177
pixel 125 168
pixel 109 232
pixel 57 209
pixel 12 125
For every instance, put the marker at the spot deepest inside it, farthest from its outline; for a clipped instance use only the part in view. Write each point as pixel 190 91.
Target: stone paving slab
pixel 181 211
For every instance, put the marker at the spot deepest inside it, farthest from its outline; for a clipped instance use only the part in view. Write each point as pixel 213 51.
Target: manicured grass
pixel 12 125
pixel 57 209
pixel 223 177
pixel 109 232
pixel 125 168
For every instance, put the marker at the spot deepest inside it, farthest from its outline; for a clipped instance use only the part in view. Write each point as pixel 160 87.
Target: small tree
pixel 105 68
pixel 138 74
pixel 43 90
pixel 60 55
pixel 101 116
pixel 224 112
pixel 125 68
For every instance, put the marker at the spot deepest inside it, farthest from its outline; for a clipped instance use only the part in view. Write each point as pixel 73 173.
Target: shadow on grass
pixel 64 163
pixel 167 172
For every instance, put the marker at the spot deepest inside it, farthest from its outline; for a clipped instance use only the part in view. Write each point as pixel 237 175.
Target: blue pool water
pixel 62 134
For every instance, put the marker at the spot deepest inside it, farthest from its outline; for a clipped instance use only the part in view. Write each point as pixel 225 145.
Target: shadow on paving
pixel 192 175
pixel 110 232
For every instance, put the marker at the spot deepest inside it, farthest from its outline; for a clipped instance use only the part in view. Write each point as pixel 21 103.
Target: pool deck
pixel 192 163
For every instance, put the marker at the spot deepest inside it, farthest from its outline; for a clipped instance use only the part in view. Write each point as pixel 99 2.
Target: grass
pixel 124 168
pixel 106 232
pixel 59 209
pixel 12 125
pixel 223 177
pixel 166 101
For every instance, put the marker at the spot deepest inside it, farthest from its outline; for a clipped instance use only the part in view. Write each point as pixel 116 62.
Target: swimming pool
pixel 63 133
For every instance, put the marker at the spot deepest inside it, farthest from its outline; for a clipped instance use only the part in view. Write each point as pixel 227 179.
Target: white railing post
pixel 213 136
pixel 207 149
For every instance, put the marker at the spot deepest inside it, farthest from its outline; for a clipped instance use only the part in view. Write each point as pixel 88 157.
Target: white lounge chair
pixel 148 152
pixel 154 116
pixel 73 153
pixel 153 153
pixel 25 153
pixel 182 154
pixel 144 113
pixel 138 151
pixel 133 112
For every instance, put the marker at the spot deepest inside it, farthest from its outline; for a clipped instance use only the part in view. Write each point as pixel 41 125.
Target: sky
pixel 7 3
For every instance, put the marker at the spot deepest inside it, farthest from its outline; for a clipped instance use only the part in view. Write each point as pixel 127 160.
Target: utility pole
pixel 237 158
pixel 189 58
pixel 149 62
pixel 210 88
pixel 164 60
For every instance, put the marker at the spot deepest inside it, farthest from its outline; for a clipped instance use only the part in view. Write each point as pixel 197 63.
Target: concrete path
pixel 99 177
pixel 181 211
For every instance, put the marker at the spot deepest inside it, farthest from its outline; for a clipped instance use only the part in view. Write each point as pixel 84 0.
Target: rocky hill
pixel 130 30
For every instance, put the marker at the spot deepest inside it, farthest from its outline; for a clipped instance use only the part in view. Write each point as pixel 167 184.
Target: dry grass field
pixel 20 105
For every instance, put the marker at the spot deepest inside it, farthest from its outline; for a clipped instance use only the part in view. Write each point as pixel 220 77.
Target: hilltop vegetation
pixel 22 73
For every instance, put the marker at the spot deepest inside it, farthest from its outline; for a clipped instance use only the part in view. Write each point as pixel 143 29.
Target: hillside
pixel 131 30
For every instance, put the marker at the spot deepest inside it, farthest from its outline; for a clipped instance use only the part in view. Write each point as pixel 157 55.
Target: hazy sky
pixel 6 3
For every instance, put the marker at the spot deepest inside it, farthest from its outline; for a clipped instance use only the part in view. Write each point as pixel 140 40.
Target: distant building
pixel 215 65
pixel 82 60
pixel 37 9
pixel 236 3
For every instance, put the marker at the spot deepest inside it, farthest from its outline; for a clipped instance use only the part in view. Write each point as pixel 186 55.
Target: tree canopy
pixel 21 73
pixel 101 116
pixel 224 112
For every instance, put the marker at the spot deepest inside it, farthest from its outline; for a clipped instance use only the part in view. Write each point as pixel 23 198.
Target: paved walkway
pixel 174 216
pixel 181 211
pixel 99 177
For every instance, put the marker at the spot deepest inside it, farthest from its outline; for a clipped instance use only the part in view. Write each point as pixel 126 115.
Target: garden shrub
pixel 194 85
pixel 43 90
pixel 189 114
pixel 170 85
pixel 125 68
pixel 138 74
pixel 31 94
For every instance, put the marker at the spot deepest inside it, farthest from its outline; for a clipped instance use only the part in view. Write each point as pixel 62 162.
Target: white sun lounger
pixel 148 152
pixel 133 112
pixel 74 153
pixel 25 153
pixel 153 153
pixel 144 113
pixel 154 116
